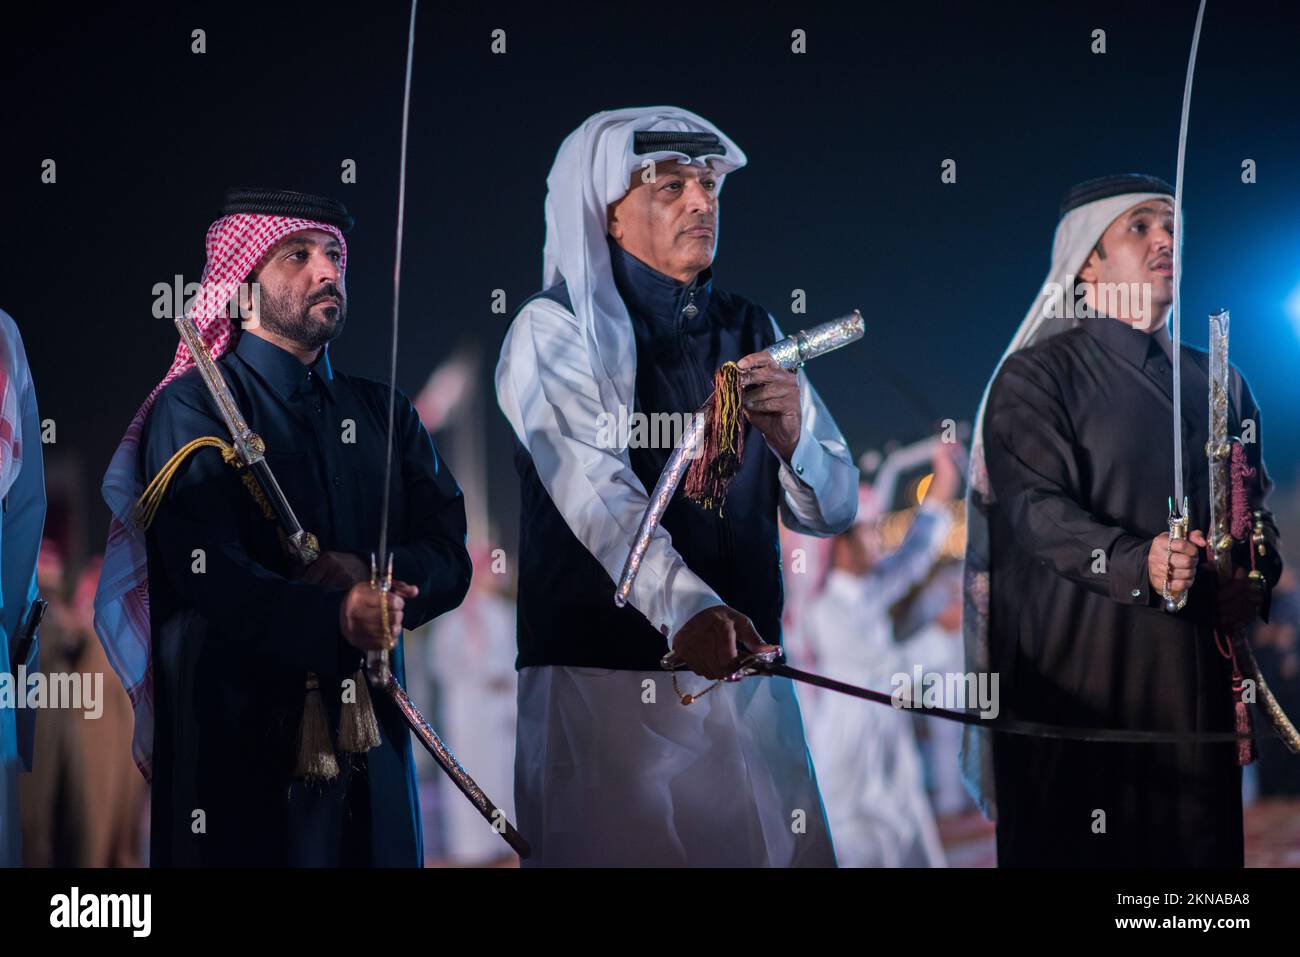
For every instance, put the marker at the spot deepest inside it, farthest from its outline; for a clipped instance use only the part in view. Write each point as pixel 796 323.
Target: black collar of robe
pixel 1136 347
pixel 654 295
pixel 282 370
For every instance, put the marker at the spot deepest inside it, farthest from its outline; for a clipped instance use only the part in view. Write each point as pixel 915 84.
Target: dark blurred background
pixel 842 197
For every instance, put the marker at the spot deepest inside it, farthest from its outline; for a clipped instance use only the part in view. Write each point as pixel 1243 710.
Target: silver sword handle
pixel 793 351
pixel 1177 532
pixel 378 672
pixel 790 353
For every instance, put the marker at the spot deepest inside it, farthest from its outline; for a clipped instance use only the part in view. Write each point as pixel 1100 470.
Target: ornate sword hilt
pixel 1177 532
pixel 673 662
pixel 378 673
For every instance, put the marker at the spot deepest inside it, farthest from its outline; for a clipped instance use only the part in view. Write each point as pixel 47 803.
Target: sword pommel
pixel 304 546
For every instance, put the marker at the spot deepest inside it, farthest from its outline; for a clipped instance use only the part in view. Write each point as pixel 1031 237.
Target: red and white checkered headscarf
pixel 235 245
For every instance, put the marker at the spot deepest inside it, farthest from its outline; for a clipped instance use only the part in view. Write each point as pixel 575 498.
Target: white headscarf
pixel 1076 235
pixel 592 169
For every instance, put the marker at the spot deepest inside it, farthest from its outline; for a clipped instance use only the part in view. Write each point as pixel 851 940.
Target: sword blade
pixel 377 661
pixel 1178 263
pixel 397 285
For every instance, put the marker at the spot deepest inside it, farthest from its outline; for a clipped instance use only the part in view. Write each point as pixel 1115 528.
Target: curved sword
pixel 1178 503
pixel 1218 448
pixel 379 674
pixel 768 664
pixel 381 571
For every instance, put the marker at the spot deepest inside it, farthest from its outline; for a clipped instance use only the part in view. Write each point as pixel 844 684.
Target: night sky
pixel 842 196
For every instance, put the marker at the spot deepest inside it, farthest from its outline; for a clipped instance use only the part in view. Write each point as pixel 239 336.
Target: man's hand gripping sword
pixel 378 673
pixel 790 353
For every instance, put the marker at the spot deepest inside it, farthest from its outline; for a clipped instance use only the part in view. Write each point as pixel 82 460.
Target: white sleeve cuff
pixel 807 468
pixel 688 596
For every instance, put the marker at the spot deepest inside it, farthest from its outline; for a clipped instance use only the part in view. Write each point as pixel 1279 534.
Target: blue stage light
pixel 1292 308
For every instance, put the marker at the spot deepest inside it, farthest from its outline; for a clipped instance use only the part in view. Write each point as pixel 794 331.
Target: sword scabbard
pixel 249 446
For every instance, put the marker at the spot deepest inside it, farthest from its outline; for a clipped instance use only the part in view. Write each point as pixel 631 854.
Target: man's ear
pixel 1088 272
pixel 248 295
pixel 615 228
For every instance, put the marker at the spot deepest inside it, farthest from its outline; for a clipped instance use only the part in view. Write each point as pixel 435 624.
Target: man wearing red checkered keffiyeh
pixel 208 620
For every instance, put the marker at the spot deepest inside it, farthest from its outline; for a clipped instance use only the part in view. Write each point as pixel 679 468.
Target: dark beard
pixel 287 316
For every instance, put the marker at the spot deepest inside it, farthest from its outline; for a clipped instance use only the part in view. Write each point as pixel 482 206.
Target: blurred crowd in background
pixel 880 599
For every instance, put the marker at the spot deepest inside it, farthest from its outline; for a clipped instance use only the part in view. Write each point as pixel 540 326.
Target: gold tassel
pixel 316 760
pixel 358 727
pixel 359 730
pixel 146 507
pixel 710 474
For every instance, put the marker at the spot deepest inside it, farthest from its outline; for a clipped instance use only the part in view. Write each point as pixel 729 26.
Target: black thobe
pixel 234 636
pixel 1079 448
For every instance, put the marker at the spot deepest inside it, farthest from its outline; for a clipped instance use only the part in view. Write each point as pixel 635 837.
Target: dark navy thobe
pixel 1079 448
pixel 234 635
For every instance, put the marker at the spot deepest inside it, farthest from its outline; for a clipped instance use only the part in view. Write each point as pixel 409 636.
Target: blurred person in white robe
pixel 937 648
pixel 866 754
pixel 472 658
pixel 468 655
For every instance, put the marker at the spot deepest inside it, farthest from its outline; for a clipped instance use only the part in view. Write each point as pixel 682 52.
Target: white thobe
pixel 866 754
pixel 610 769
